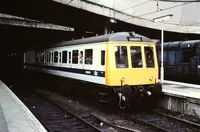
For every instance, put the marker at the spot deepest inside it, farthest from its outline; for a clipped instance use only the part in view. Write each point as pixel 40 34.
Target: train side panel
pixel 92 72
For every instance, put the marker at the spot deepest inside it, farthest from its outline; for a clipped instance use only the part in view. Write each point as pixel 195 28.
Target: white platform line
pixel 182 84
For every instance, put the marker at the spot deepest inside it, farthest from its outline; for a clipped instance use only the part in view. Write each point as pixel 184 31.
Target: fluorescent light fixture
pixel 162 18
pixel 89 32
pixel 112 20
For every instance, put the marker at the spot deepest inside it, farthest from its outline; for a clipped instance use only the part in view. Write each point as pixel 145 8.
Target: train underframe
pixel 139 94
pixel 122 96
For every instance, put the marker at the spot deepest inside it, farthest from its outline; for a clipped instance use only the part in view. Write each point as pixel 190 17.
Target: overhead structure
pixel 186 13
pixel 6 19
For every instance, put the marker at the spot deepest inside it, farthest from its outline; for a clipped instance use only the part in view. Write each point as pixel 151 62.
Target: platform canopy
pixel 185 19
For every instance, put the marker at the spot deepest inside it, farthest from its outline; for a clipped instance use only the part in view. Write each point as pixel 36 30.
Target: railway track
pixel 163 122
pixel 57 119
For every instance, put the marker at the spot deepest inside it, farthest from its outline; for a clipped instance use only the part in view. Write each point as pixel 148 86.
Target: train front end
pixel 132 70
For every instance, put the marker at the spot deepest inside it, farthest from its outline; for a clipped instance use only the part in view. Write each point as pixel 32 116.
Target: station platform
pixel 181 97
pixel 14 115
pixel 181 89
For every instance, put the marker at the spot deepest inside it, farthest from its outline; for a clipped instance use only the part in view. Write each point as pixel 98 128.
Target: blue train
pixel 181 60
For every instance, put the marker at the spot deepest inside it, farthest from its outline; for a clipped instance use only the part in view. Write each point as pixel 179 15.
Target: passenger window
pixel 42 57
pixel 103 57
pixel 121 57
pixel 88 56
pixel 60 57
pixel 55 56
pixel 149 56
pixel 38 57
pixel 136 56
pixel 81 57
pixel 51 57
pixel 64 57
pixel 27 57
pixel 47 57
pixel 70 57
pixel 75 56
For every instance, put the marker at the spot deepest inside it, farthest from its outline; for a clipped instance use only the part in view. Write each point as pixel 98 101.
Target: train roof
pixel 120 36
pixel 180 44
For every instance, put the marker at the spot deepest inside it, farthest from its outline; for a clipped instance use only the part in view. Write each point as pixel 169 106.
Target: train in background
pixel 121 65
pixel 181 60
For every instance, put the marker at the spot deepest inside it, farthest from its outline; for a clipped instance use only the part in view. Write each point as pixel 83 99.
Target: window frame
pixel 55 57
pixel 88 59
pixel 64 56
pixel 136 58
pixel 75 56
pixel 148 65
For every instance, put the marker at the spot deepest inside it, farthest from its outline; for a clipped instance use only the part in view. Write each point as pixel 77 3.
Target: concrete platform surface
pixel 181 97
pixel 181 89
pixel 14 115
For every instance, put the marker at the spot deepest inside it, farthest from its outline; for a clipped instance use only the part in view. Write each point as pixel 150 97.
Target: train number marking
pixel 88 72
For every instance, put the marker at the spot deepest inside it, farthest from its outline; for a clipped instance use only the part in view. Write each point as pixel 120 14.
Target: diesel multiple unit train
pixel 124 63
pixel 181 60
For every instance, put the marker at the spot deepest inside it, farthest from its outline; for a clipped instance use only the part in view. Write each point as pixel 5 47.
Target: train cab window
pixel 149 56
pixel 75 56
pixel 55 56
pixel 88 56
pixel 136 56
pixel 103 57
pixel 121 57
pixel 64 57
